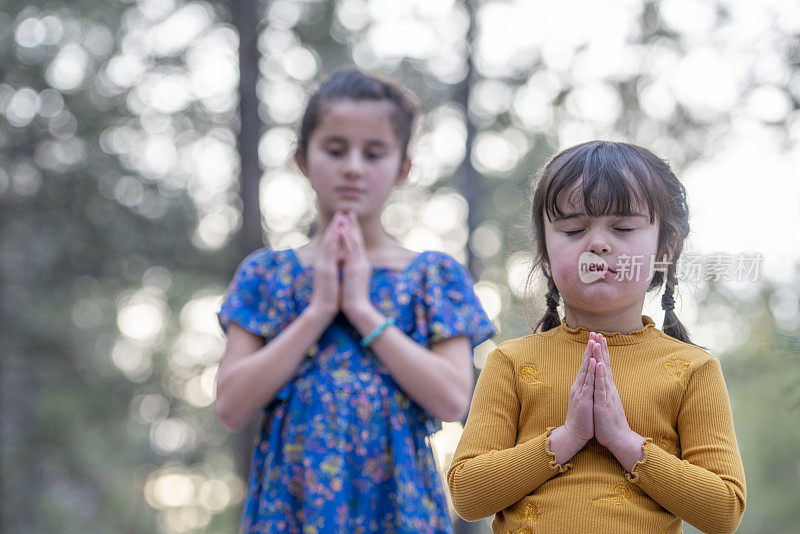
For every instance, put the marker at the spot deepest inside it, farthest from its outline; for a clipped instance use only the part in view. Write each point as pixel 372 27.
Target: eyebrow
pixel 338 139
pixel 577 214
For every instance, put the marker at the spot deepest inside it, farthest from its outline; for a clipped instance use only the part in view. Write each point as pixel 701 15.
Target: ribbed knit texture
pixel 673 394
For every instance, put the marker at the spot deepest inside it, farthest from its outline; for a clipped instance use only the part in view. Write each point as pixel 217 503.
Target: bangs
pixel 609 180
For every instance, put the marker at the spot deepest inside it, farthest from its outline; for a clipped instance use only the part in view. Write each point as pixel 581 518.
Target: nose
pixel 354 165
pixel 599 244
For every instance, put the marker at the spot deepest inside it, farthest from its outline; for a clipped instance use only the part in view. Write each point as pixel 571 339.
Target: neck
pixel 623 321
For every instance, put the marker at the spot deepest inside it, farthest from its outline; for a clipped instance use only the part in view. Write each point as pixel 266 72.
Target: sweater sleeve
pixel 706 487
pixel 490 471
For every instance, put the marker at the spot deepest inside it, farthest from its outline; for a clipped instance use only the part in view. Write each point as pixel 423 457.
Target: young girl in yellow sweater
pixel 602 422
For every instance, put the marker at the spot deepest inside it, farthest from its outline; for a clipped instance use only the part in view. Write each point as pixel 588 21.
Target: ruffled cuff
pixel 633 476
pixel 553 462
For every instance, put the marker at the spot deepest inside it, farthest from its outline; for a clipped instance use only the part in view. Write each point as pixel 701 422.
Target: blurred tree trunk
pixel 245 15
pixel 245 19
pixel 470 183
pixel 468 180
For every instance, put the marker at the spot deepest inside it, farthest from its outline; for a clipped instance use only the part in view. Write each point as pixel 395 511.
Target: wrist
pixel 364 318
pixel 575 441
pixel 564 444
pixel 317 312
pixel 627 449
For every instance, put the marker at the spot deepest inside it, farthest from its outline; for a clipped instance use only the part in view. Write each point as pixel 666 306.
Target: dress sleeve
pixel 490 470
pixel 706 486
pixel 254 298
pixel 452 308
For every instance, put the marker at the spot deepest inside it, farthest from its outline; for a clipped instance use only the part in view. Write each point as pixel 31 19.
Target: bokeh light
pixel 141 316
pixel 711 87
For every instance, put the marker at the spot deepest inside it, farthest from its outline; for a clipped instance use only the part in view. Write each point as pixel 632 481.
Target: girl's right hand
pixel 326 296
pixel 580 411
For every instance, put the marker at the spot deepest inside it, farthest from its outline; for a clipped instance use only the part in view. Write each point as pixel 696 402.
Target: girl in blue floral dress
pixel 353 347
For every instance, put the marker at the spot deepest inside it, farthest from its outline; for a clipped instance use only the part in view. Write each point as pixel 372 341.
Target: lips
pixel 592 267
pixel 350 191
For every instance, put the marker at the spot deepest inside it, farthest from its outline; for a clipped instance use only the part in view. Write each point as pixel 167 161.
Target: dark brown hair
pixel 354 85
pixel 613 178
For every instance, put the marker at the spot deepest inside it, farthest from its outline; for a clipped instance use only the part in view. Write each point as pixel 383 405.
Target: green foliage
pixel 72 459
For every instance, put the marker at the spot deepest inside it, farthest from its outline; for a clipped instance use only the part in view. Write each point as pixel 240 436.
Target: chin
pixel 596 294
pixel 347 205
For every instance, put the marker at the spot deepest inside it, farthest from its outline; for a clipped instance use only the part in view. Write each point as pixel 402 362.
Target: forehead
pixel 572 200
pixel 357 121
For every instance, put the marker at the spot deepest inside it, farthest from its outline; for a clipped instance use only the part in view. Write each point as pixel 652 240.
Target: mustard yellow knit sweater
pixel 673 394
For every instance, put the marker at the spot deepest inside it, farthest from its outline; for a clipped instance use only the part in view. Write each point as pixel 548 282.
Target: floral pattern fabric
pixel 342 448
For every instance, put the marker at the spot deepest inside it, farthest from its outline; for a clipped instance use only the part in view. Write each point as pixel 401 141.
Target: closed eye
pixel 572 233
pixel 624 230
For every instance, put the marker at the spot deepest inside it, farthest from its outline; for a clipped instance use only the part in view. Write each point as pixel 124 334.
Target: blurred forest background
pixel 130 190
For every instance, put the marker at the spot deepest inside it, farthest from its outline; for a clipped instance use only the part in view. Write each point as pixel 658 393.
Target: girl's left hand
pixel 357 270
pixel 611 428
pixel 609 414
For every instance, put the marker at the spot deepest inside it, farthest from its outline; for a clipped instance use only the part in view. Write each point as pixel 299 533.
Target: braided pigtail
pixel 672 325
pixel 550 319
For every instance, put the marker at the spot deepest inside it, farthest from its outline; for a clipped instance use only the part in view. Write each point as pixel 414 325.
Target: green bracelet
pixel 367 341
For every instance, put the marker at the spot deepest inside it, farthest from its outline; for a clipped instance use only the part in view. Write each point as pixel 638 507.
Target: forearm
pixel 432 381
pixel 484 484
pixel 714 503
pixel 706 485
pixel 247 385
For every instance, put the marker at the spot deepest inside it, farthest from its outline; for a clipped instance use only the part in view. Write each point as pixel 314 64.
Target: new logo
pixel 592 267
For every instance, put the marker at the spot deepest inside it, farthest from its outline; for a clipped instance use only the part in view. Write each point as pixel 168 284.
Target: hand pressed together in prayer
pixel 595 408
pixel 343 251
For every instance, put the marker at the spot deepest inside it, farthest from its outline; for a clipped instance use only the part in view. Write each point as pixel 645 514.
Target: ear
pixel 402 176
pixel 301 164
pixel 546 267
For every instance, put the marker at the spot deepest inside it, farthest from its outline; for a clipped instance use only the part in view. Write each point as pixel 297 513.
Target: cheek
pixel 651 261
pixel 385 185
pixel 564 269
pixel 381 189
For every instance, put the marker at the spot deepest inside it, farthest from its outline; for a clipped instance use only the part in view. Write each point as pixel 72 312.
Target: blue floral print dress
pixel 342 449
